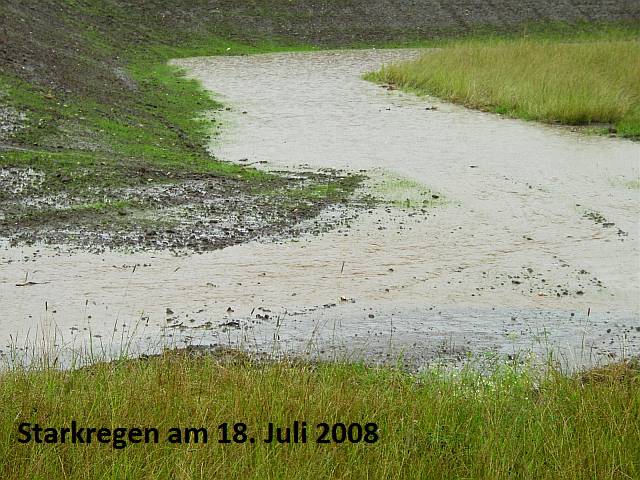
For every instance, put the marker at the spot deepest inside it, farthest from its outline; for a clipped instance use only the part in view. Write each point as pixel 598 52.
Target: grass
pixel 577 81
pixel 405 193
pixel 165 128
pixel 512 423
pixel 633 184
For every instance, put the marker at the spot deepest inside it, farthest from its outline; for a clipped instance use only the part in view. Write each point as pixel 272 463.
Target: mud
pixel 192 214
pixel 499 238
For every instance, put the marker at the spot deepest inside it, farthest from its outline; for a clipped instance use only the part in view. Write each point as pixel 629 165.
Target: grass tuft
pixel 578 82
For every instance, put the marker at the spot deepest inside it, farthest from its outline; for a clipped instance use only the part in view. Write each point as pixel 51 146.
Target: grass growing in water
pixel 511 424
pixel 633 184
pixel 554 81
pixel 405 193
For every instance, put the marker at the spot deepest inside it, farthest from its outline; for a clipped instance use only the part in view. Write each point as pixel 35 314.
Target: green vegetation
pixel 511 423
pixel 581 81
pixel 633 184
pixel 405 193
pixel 164 129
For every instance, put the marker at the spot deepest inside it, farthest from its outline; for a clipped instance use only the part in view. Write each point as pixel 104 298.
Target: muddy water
pixel 533 244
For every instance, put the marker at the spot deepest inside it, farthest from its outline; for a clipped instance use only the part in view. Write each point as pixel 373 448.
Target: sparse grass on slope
pixel 511 424
pixel 554 81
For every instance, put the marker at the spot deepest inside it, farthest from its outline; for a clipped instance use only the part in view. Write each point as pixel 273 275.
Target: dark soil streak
pixel 198 212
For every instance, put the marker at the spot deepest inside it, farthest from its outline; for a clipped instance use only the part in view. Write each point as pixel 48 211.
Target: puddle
pixel 505 258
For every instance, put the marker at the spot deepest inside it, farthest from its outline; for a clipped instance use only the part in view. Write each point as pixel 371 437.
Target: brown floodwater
pixel 532 244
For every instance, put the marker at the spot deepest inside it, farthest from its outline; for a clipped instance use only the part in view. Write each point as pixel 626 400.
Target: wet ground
pixel 198 212
pixel 498 237
pixel 10 121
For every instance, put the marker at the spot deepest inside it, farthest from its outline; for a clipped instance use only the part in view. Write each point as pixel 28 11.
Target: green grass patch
pixel 164 128
pixel 511 423
pixel 579 81
pixel 102 206
pixel 633 184
pixel 405 193
pixel 72 171
pixel 337 190
pixel 109 213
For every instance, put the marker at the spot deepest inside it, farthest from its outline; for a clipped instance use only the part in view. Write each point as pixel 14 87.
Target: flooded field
pixel 497 236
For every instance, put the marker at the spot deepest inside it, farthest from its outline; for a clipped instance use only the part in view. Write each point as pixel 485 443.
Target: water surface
pixel 535 244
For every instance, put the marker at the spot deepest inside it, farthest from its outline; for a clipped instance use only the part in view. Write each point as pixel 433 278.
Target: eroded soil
pixel 189 212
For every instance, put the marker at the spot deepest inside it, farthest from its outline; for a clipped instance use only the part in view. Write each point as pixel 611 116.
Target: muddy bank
pixel 193 213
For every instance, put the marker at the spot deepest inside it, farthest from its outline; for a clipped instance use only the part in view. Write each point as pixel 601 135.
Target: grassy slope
pixel 510 424
pixel 583 80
